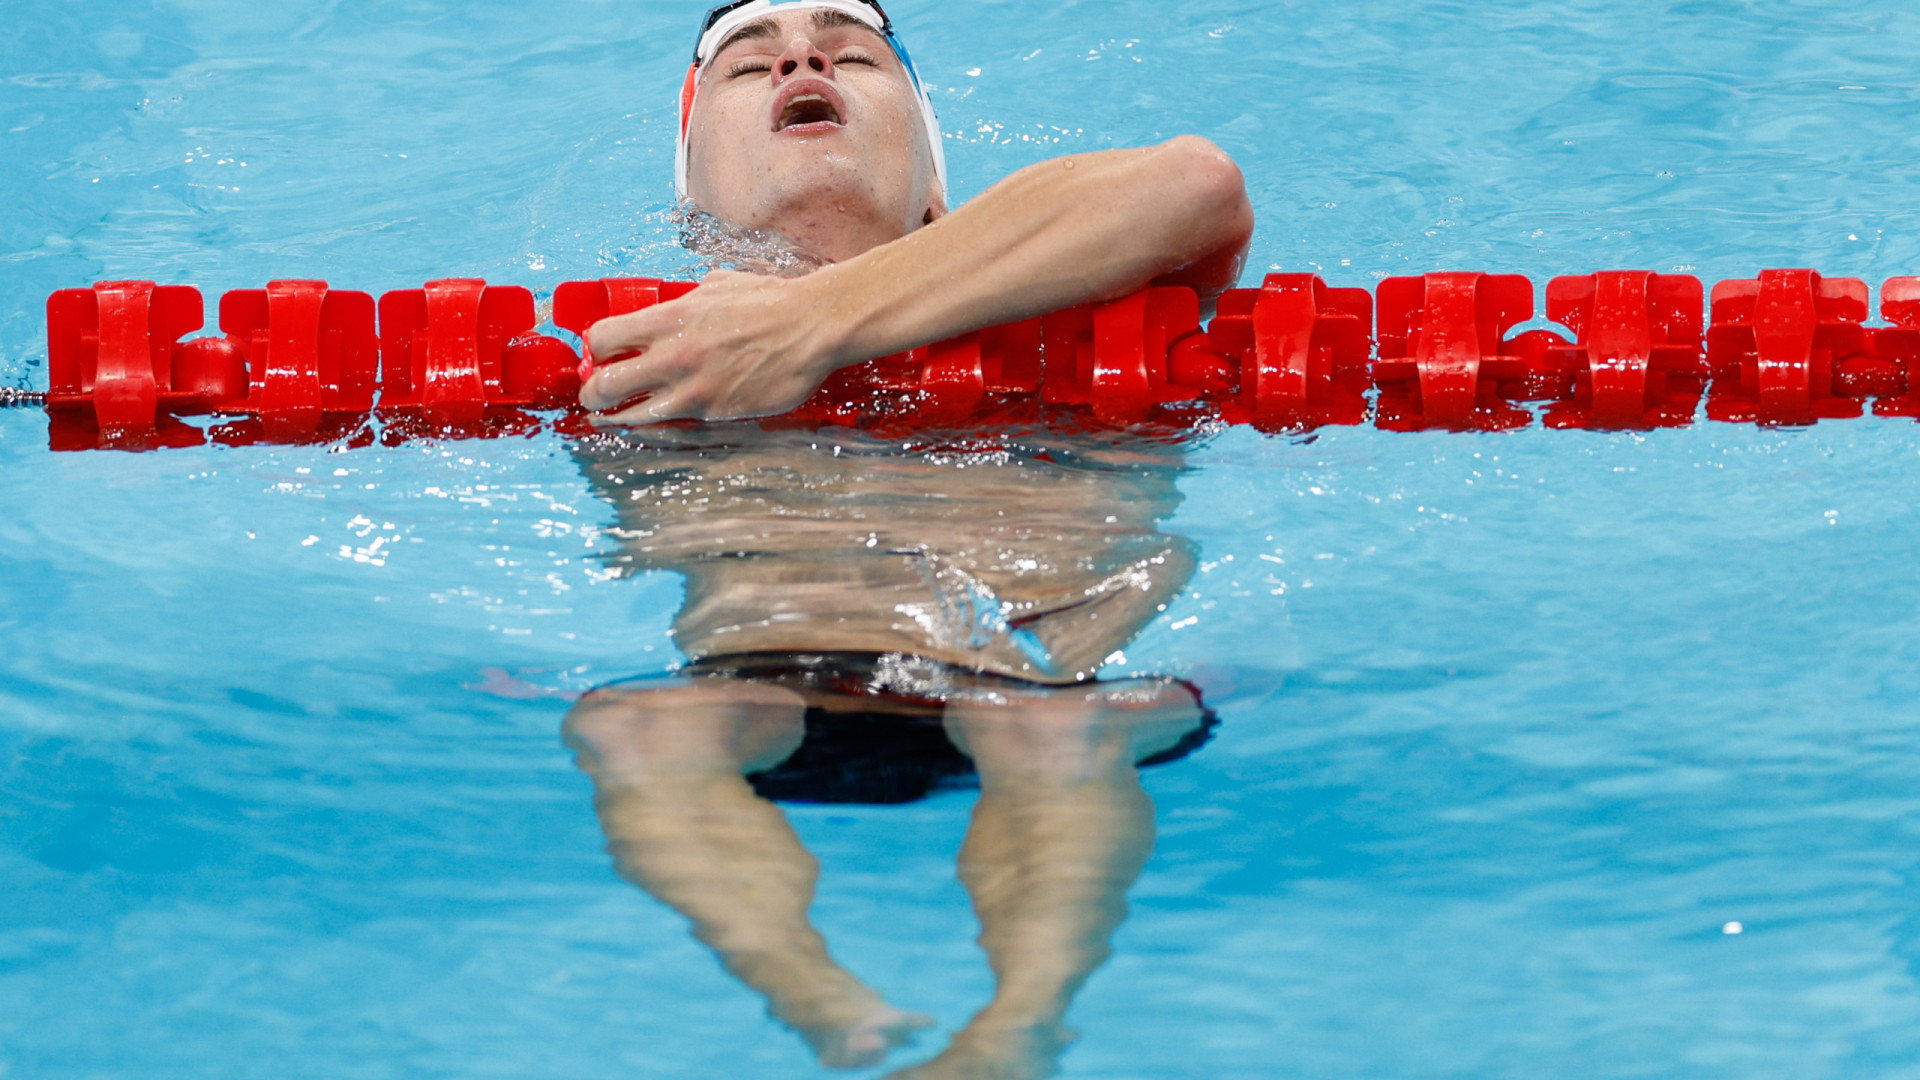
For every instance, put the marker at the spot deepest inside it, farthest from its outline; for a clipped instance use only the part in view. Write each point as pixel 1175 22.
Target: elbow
pixel 1207 215
pixel 1209 188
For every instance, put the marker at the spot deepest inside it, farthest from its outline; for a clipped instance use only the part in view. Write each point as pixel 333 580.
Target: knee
pixel 609 730
pixel 698 725
pixel 1064 739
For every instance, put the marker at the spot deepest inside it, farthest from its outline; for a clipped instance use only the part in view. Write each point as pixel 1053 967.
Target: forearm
pixel 1064 232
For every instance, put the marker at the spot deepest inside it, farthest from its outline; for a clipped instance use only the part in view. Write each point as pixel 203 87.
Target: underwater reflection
pixel 868 622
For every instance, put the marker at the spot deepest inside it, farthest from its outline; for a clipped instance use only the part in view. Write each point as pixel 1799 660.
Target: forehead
pixel 775 29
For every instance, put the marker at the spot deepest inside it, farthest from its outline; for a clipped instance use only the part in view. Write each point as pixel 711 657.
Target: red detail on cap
pixel 687 90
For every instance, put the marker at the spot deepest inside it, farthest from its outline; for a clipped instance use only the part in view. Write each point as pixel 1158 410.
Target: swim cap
pixel 727 18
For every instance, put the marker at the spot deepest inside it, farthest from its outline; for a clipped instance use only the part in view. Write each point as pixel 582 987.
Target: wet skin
pixel 790 542
pixel 1061 829
pixel 807 123
pixel 849 178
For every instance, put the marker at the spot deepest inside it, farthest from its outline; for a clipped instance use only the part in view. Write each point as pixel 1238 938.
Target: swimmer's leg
pixel 683 824
pixel 1061 830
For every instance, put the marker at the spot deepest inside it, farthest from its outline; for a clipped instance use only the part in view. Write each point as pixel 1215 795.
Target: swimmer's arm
pixel 1083 228
pixel 1069 231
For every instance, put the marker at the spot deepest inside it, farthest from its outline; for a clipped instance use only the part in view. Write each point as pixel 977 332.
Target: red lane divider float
pixel 1296 350
pixel 313 356
pixel 459 353
pixel 116 366
pixel 1898 345
pixel 302 362
pixel 1790 347
pixel 1637 359
pixel 1441 341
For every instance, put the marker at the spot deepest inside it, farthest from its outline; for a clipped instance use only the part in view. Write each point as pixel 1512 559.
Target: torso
pixel 1036 562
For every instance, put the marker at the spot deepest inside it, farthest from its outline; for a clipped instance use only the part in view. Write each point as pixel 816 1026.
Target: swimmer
pixel 833 605
pixel 807 119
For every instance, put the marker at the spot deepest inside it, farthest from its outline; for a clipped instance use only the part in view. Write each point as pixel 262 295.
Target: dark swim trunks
pixel 873 724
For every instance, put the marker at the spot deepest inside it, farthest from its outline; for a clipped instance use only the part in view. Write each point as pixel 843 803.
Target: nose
pixel 802 59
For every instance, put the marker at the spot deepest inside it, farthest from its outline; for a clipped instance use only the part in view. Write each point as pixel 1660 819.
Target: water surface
pixel 1513 727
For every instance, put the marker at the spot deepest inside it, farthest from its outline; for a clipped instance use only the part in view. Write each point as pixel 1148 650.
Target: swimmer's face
pixel 803 115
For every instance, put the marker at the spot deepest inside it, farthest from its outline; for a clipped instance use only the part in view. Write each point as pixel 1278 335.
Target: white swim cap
pixel 727 18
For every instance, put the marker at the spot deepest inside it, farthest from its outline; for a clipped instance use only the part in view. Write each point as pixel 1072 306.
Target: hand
pixel 740 345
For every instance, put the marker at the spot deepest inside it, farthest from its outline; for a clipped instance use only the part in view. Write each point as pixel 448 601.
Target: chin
pixel 816 178
pixel 820 191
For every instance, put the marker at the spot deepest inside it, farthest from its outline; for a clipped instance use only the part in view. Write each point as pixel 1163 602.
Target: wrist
pixel 835 318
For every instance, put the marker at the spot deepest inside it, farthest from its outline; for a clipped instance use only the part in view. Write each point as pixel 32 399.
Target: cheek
pixel 717 143
pixel 897 141
pixel 900 125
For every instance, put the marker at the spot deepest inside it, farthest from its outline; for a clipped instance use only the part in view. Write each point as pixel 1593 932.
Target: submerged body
pixel 870 623
pixel 1036 561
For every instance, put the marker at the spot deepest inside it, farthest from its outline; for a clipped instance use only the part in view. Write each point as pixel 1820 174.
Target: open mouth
pixel 806 111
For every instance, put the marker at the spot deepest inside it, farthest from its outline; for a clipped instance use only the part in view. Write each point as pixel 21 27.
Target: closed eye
pixel 747 67
pixel 857 58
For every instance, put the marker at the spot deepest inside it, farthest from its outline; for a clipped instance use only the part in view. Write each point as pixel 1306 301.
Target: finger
pixel 627 335
pixel 675 403
pixel 694 397
pixel 633 417
pixel 614 384
pixel 650 410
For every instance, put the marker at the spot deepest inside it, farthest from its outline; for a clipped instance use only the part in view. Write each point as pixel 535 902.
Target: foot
pixel 865 1041
pixel 1002 1054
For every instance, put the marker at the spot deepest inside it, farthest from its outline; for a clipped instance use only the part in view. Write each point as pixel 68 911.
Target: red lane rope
pixel 301 361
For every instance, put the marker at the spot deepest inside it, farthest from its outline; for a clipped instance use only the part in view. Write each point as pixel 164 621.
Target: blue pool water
pixel 1514 726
